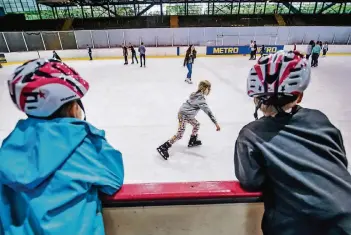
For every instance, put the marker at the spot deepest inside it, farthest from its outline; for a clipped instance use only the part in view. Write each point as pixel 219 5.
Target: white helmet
pixel 278 79
pixel 40 87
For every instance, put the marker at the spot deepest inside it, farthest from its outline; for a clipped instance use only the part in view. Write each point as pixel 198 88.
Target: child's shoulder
pixel 304 117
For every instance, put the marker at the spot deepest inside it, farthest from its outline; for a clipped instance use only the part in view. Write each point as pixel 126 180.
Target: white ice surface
pixel 137 107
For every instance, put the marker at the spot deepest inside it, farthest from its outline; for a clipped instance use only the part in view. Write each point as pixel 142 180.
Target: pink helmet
pixel 279 78
pixel 40 87
pixel 283 73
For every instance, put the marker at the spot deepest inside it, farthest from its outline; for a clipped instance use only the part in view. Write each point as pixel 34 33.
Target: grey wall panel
pixel 181 37
pixel 196 36
pixel 83 39
pixel 100 38
pixel 210 36
pixel 165 37
pixel 116 37
pixel 34 41
pixel 3 47
pixel 133 36
pixel 15 41
pixel 341 34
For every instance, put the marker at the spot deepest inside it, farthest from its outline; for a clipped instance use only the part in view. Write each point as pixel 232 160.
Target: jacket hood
pixel 36 148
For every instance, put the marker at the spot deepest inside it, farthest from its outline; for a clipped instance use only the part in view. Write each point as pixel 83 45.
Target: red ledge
pixel 189 190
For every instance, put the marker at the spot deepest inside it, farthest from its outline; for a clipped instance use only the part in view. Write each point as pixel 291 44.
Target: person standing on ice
pixel 133 53
pixel 142 51
pixel 54 164
pixel 294 155
pixel 125 54
pixel 187 114
pixel 325 49
pixel 90 53
pixel 188 62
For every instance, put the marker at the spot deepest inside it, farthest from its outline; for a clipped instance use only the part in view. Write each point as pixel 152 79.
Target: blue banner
pixel 240 50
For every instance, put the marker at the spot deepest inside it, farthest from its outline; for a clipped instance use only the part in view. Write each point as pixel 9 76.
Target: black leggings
pixel 141 60
pixel 314 59
pixel 134 56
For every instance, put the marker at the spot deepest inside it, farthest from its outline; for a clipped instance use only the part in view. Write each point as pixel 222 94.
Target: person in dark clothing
pixel 142 51
pixel 56 56
pixel 294 155
pixel 191 51
pixel 133 53
pixel 255 50
pixel 90 52
pixel 125 54
pixel 263 49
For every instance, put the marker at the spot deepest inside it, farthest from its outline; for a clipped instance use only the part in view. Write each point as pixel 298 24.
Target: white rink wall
pixel 217 219
pixel 151 51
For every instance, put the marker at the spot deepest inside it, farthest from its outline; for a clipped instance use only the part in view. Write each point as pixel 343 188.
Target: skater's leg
pixel 136 58
pixel 180 132
pixel 190 71
pixel 144 60
pixel 141 60
pixel 196 126
pixel 132 58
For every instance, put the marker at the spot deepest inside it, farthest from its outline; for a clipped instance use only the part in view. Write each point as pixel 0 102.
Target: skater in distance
pixel 187 114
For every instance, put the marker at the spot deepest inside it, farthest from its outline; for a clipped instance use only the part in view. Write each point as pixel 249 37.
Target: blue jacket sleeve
pixel 102 165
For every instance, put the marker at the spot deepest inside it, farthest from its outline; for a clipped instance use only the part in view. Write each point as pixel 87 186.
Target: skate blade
pixel 161 153
pixel 191 146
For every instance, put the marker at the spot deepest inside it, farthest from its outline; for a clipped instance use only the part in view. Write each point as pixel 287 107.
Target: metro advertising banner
pixel 240 50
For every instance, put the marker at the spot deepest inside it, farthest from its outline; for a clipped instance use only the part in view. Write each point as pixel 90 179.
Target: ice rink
pixel 137 107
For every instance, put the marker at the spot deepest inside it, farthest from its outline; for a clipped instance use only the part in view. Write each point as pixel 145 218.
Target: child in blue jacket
pixel 54 164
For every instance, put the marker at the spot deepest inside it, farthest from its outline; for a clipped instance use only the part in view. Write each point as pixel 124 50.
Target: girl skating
pixel 188 62
pixel 187 114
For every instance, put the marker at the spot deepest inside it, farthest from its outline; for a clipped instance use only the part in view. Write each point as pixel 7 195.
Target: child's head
pixel 204 87
pixel 277 82
pixel 47 89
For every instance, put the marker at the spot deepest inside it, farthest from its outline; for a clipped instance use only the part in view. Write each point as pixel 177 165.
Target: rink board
pixel 192 208
pixel 240 50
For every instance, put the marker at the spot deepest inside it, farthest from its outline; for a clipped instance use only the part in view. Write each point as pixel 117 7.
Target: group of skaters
pixel 314 50
pixel 141 50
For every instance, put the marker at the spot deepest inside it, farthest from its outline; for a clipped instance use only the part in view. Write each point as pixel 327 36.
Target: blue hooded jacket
pixel 50 175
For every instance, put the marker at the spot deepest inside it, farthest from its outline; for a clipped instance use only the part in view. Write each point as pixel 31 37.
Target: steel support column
pixel 145 9
pixel 291 8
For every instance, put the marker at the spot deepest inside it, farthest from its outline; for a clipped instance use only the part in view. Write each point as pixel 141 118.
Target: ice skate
pixel 163 150
pixel 194 141
pixel 188 81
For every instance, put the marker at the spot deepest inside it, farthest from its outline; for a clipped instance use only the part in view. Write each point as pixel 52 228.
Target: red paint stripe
pixel 259 72
pixel 286 72
pixel 189 190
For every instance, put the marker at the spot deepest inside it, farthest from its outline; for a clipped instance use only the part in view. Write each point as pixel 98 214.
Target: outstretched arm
pixel 204 107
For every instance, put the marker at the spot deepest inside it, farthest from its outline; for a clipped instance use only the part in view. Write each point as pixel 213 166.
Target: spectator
pixel 142 51
pixel 90 52
pixel 294 155
pixel 53 164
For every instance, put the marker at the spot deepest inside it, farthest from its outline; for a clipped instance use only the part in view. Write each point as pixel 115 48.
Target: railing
pixel 223 36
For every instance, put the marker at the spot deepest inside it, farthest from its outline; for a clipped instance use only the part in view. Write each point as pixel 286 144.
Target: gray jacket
pixel 192 106
pixel 142 50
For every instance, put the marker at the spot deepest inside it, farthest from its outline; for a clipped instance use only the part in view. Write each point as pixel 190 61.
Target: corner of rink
pixel 196 208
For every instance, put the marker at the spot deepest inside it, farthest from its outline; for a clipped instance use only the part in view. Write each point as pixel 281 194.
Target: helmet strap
pixel 258 106
pixel 79 102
